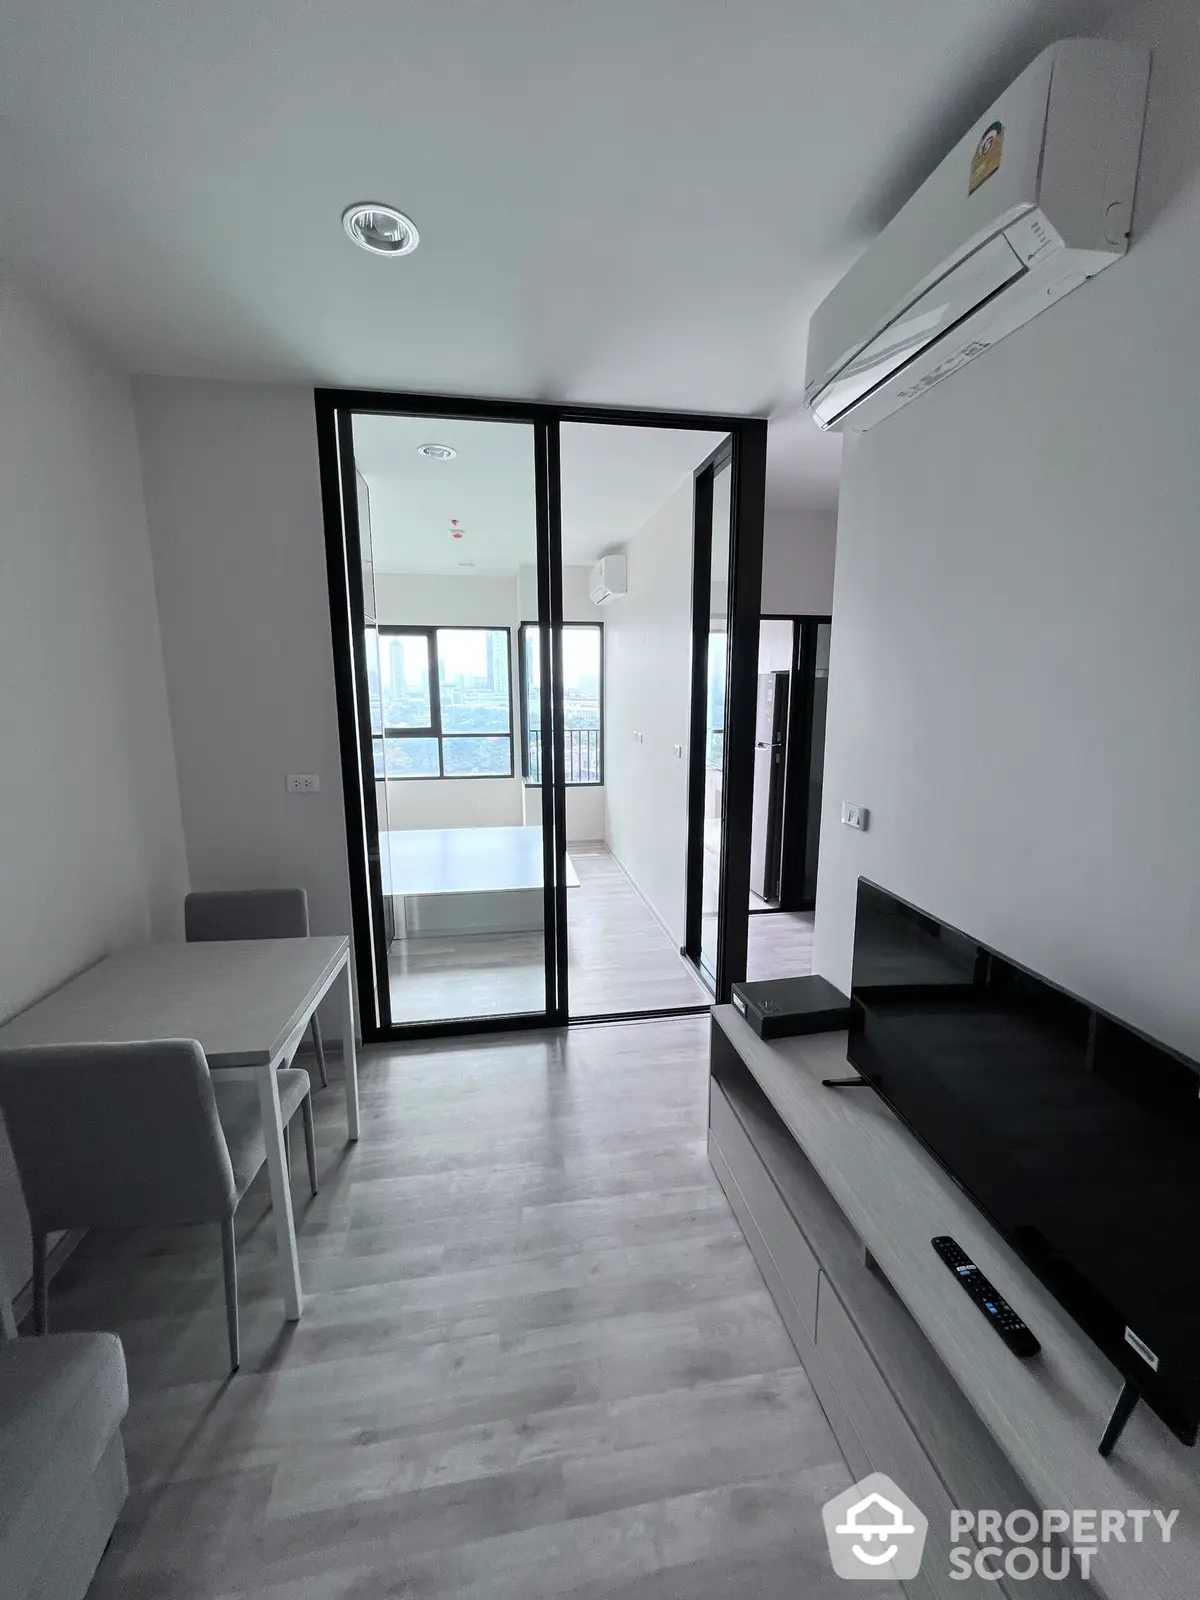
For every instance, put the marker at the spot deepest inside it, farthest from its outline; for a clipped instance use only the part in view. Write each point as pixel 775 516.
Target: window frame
pixel 434 729
pixel 535 783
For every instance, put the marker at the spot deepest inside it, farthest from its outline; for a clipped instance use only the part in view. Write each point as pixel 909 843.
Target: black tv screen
pixel 1078 1136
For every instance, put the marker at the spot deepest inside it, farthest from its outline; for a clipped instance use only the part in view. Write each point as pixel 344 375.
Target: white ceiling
pixel 613 480
pixel 627 201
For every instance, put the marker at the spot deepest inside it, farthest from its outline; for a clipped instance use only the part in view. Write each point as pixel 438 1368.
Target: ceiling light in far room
pixel 437 452
pixel 382 230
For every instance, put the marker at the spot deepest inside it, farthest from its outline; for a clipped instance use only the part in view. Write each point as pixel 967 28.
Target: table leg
pixel 281 1191
pixel 349 1055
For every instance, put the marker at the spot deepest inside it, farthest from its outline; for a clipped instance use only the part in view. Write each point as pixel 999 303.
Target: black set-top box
pixel 780 1007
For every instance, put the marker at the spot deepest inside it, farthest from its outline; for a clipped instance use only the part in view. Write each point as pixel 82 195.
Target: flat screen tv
pixel 1078 1136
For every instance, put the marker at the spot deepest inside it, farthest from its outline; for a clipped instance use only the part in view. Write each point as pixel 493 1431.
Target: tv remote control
pixel 994 1306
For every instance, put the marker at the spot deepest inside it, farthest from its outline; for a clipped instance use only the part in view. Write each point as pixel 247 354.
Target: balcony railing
pixel 582 754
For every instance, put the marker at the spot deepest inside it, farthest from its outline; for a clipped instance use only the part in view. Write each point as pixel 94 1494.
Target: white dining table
pixel 247 1001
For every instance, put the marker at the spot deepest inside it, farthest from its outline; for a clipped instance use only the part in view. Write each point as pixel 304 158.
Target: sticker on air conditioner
pixel 988 154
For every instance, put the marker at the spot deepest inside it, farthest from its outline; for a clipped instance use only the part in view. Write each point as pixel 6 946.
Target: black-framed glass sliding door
pixel 474 707
pixel 444 545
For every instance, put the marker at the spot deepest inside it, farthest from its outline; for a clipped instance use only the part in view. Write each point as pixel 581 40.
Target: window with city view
pixel 441 703
pixel 583 700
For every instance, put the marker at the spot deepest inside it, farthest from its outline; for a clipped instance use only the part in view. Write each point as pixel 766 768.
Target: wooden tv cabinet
pixel 839 1202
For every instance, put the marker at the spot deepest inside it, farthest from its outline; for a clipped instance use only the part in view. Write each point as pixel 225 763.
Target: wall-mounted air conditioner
pixel 609 580
pixel 1032 202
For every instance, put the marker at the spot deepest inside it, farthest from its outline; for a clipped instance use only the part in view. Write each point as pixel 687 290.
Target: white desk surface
pixel 242 998
pixel 439 861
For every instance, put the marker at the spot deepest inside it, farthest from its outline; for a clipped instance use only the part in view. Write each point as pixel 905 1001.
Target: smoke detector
pixel 382 230
pixel 437 452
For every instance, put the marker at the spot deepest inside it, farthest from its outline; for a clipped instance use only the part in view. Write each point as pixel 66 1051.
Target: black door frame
pixel 747 443
pixel 746 457
pixel 797 759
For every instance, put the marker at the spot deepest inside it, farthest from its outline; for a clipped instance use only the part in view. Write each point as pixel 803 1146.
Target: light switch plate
pixel 855 816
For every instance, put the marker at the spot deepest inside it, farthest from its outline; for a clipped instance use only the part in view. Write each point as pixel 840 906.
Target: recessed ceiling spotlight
pixel 382 230
pixel 437 452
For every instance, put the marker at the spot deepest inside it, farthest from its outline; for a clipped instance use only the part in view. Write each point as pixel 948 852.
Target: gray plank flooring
pixel 536 1357
pixel 780 945
pixel 620 959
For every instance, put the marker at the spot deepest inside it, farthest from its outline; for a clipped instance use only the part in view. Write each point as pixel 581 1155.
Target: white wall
pixel 798 559
pixel 428 600
pixel 648 649
pixel 234 505
pixel 587 814
pixel 1015 677
pixel 91 843
pixel 775 646
pixel 468 600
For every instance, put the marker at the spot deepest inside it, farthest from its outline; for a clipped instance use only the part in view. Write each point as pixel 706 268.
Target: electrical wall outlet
pixel 855 816
pixel 303 783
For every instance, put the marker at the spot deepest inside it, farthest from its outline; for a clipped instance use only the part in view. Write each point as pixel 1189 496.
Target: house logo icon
pixel 875 1531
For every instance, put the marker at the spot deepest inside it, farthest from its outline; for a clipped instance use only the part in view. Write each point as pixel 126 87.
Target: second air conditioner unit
pixel 609 580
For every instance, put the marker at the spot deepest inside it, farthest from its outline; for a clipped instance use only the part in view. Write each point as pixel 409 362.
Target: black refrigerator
pixel 766 828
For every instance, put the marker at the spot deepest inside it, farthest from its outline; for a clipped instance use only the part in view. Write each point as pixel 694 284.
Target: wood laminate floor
pixel 536 1358
pixel 780 945
pixel 620 959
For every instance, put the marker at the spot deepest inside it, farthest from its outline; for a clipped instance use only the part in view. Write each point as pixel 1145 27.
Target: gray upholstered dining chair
pixel 252 914
pixel 137 1135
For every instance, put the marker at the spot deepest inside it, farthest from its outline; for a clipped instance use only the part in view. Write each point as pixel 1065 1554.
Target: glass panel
pixel 473 681
pixel 404 680
pixel 374 697
pixel 475 757
pixel 411 758
pixel 718 658
pixel 581 703
pixel 533 703
pixel 582 714
pixel 816 767
pixel 776 647
pixel 714 740
pixel 627 713
pixel 455 540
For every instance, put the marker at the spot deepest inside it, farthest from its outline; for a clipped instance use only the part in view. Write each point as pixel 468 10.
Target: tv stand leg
pixel 1122 1411
pixel 846 1083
